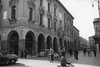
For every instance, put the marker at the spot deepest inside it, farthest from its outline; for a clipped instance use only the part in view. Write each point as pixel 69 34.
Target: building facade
pixel 83 43
pixel 92 43
pixel 76 38
pixel 96 37
pixel 35 25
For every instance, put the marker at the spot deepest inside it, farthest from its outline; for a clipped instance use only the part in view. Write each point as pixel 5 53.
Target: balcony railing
pixel 41 10
pixel 49 15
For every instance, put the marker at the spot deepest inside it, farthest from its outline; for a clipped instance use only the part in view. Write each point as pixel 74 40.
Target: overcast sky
pixel 83 14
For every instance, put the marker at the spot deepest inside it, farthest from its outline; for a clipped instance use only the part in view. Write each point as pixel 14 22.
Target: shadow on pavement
pixel 14 65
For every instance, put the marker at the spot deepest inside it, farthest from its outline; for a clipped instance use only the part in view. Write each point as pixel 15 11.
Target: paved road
pixel 84 61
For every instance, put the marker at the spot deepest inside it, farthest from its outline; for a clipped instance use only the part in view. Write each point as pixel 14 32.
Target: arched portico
pixel 61 43
pixel 65 45
pixel 55 44
pixel 13 40
pixel 49 42
pixel 30 42
pixel 41 43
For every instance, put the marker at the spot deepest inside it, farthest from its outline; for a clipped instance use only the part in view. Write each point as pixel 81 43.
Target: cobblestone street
pixel 84 61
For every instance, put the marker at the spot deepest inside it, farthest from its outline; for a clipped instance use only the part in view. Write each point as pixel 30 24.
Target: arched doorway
pixel 30 43
pixel 61 43
pixel 49 42
pixel 55 45
pixel 41 43
pixel 13 39
pixel 68 45
pixel 65 44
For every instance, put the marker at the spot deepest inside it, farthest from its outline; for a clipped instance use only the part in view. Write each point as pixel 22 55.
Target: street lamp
pixel 98 5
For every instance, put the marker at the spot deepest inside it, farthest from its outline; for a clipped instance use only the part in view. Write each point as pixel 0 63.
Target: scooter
pixel 67 65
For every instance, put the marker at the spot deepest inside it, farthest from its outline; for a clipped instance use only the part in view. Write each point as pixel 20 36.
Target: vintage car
pixel 8 59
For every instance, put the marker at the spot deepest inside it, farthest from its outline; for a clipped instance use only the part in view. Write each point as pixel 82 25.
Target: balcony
pixel 12 2
pixel 55 19
pixel 49 15
pixel 49 1
pixel 59 31
pixel 96 20
pixel 41 10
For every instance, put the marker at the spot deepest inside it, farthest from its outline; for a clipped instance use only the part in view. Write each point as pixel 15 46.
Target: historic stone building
pixel 35 25
pixel 96 37
pixel 76 38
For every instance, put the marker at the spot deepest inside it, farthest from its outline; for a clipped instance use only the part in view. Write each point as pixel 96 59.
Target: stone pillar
pixel 36 47
pixel 4 44
pixel 51 44
pixel 21 46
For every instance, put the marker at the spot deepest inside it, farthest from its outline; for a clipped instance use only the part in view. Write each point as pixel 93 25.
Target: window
pixel 41 19
pixel 54 26
pixel 13 12
pixel 41 2
pixel 54 11
pixel 48 7
pixel 30 13
pixel 48 23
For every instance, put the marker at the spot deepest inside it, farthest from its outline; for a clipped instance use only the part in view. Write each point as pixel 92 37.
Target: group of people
pixel 62 55
pixel 74 53
pixel 89 51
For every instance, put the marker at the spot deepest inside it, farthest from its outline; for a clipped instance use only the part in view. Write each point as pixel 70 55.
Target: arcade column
pixel 21 45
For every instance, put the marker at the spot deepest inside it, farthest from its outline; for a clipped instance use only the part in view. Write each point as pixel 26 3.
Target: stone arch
pixel 65 45
pixel 68 45
pixel 13 42
pixel 30 42
pixel 49 42
pixel 61 43
pixel 41 43
pixel 55 44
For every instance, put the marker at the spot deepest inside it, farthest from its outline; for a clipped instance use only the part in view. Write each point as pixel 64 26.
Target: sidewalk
pixel 89 60
pixel 84 61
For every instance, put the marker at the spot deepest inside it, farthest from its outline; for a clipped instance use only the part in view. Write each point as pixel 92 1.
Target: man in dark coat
pixel 76 54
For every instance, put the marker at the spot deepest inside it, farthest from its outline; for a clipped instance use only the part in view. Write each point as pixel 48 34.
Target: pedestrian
pixel 52 57
pixel 76 54
pixel 70 52
pixel 94 51
pixel 84 51
pixel 63 53
pixel 51 53
pixel 25 51
pixel 22 54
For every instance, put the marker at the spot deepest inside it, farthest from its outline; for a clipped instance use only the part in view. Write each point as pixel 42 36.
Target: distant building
pixel 83 42
pixel 91 41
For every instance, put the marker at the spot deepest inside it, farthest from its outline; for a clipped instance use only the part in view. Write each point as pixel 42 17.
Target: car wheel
pixel 8 62
pixel 13 61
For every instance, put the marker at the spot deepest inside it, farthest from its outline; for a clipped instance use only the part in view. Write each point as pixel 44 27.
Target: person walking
pixel 25 51
pixel 51 53
pixel 84 51
pixel 76 54
pixel 94 51
pixel 22 54
pixel 70 52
